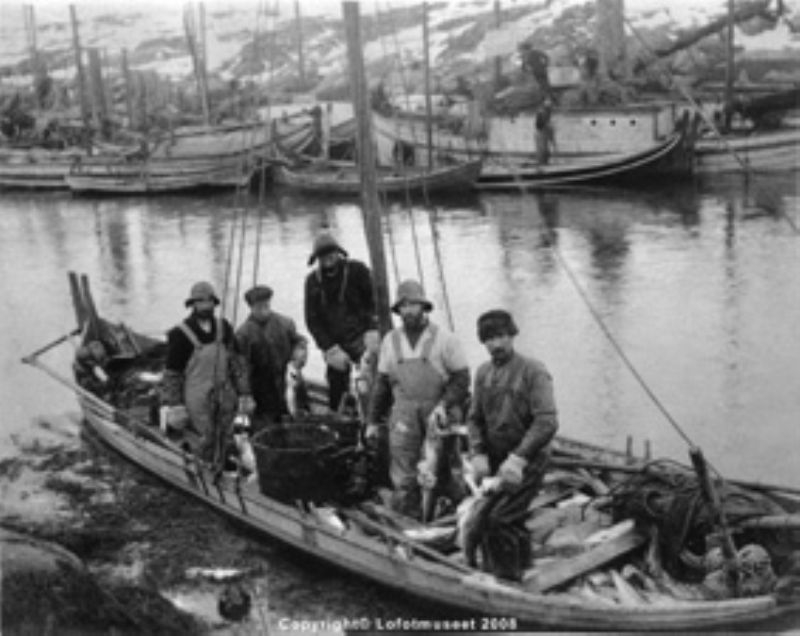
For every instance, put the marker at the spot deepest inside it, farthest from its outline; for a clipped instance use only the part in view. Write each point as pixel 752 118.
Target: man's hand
pixel 372 341
pixel 479 467
pixel 437 420
pixel 173 417
pixel 512 470
pixel 246 404
pixel 336 358
pixel 372 432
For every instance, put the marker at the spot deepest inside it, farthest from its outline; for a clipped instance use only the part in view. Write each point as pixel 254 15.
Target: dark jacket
pixel 513 410
pixel 180 350
pixel 267 346
pixel 341 308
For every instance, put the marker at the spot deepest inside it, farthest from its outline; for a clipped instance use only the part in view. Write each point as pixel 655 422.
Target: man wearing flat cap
pixel 340 312
pixel 511 422
pixel 205 376
pixel 269 341
pixel 423 373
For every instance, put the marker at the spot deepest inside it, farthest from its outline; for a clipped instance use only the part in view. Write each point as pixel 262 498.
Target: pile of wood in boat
pixel 611 541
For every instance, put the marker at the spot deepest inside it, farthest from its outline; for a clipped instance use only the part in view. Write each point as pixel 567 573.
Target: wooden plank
pixel 81 313
pixel 560 572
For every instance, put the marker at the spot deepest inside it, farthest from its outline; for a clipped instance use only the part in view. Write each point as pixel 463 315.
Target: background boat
pixel 344 178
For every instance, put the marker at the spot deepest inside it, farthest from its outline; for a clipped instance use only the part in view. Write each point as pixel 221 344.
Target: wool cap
pixel 496 322
pixel 257 294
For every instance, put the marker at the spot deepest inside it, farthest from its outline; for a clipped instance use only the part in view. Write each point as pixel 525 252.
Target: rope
pixel 440 267
pixel 392 246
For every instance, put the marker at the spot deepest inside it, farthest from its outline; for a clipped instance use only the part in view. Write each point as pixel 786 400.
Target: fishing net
pixel 669 496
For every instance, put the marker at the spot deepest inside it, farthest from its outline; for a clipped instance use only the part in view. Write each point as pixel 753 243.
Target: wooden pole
pixel 498 62
pixel 194 45
pixel 366 160
pixel 126 73
pixel 300 58
pixel 98 90
pixel 729 66
pixel 204 65
pixel 79 72
pixel 712 499
pixel 428 106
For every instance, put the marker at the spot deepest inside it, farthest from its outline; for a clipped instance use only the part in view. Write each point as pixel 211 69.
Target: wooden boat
pixel 591 145
pixel 189 164
pixel 344 178
pixel 557 593
pixel 169 159
pixel 36 168
pixel 154 176
pixel 768 151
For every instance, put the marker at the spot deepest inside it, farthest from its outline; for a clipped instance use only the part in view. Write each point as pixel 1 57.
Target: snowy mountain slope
pixel 462 33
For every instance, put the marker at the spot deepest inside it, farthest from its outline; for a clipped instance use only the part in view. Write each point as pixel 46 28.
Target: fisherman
pixel 535 63
pixel 205 379
pixel 511 422
pixel 545 134
pixel 422 367
pixel 340 312
pixel 268 341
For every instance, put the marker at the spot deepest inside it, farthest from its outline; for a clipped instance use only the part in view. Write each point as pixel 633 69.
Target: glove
pixel 299 356
pixel 425 475
pixel 246 404
pixel 512 469
pixel 372 432
pixel 479 467
pixel 372 341
pixel 336 358
pixel 173 417
pixel 437 420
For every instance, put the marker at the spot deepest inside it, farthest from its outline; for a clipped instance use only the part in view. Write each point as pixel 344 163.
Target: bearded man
pixel 423 373
pixel 340 312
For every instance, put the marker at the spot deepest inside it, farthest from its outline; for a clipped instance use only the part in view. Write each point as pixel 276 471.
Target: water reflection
pixel 692 280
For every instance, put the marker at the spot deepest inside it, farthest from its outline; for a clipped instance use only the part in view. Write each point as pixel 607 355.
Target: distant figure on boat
pixel 423 376
pixel 535 63
pixel 205 379
pixel 340 312
pixel 545 134
pixel 511 422
pixel 268 341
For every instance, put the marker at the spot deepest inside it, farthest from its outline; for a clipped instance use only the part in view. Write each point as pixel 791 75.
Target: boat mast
pixel 729 66
pixel 498 61
pixel 300 59
pixel 196 44
pixel 370 204
pixel 428 107
pixel 81 77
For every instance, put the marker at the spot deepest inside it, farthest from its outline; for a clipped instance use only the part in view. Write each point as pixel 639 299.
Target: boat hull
pixel 602 145
pixel 473 594
pixel 346 179
pixel 768 151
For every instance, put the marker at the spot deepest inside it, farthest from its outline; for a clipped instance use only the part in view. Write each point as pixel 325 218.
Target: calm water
pixel 699 284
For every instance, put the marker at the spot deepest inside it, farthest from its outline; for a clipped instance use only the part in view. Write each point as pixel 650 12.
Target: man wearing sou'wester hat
pixel 205 376
pixel 423 372
pixel 340 312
